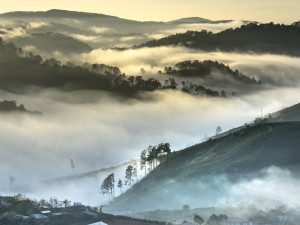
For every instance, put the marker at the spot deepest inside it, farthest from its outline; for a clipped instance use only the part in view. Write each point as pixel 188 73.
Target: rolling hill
pixel 201 174
pixel 50 42
pixel 253 37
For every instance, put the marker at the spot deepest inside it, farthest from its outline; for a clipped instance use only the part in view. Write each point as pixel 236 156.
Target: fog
pixel 276 187
pixel 98 130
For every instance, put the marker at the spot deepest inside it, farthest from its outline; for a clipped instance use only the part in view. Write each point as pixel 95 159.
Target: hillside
pixel 53 13
pixel 50 42
pixel 197 20
pixel 291 113
pixel 195 175
pixel 253 37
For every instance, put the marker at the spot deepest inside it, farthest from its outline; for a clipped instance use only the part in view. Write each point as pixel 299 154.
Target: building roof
pixel 45 211
pixel 98 223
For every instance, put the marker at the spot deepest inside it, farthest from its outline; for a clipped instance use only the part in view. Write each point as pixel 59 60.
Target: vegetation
pixel 21 210
pixel 203 69
pixel 239 155
pixel 20 70
pixel 108 185
pixel 253 37
pixel 152 154
pixel 11 106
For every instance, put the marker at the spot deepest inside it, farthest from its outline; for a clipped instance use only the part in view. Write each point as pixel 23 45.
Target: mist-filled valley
pixel 144 118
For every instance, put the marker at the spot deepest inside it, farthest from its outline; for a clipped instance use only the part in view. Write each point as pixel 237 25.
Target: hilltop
pixel 253 37
pixel 193 175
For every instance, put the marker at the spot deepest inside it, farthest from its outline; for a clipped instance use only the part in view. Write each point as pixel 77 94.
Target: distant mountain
pixel 54 13
pixel 50 42
pixel 84 20
pixel 197 20
pixel 196 175
pixel 253 37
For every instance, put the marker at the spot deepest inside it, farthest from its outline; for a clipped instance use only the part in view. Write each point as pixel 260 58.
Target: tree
pixel 120 185
pixel 143 160
pixel 217 220
pixel 186 207
pixel 108 185
pixel 66 203
pixel 218 130
pixel 128 175
pixel 198 219
pixel 134 174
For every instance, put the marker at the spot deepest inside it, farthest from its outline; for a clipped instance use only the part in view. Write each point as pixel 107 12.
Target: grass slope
pixel 180 179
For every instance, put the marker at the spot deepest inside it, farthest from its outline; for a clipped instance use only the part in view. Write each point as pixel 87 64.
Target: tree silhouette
pixel 218 130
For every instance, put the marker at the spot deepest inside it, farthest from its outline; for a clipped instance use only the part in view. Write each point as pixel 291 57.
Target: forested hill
pixel 206 68
pixel 11 106
pixel 253 37
pixel 20 70
pixel 195 175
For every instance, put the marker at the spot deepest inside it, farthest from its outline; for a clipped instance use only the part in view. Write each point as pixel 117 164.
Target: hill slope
pixel 200 175
pixel 253 37
pixel 50 42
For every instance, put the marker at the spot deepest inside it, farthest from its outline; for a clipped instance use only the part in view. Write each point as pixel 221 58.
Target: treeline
pixel 253 37
pixel 205 68
pixel 108 184
pixel 11 106
pixel 22 69
pixel 21 210
pixel 149 157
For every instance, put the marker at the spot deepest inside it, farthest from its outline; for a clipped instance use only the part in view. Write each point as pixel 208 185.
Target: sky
pixel 278 11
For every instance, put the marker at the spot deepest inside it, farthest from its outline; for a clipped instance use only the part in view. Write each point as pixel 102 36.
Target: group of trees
pixel 149 157
pixel 203 69
pixel 21 69
pixel 194 89
pixel 152 154
pixel 11 106
pixel 108 184
pixel 261 38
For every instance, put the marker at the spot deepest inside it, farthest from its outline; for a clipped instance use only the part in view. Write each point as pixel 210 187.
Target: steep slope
pixel 201 175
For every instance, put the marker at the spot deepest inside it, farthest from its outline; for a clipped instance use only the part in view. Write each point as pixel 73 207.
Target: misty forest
pixel 107 120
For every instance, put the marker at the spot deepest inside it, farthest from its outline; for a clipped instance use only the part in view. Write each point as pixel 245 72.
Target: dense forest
pixel 253 37
pixel 22 69
pixel 203 69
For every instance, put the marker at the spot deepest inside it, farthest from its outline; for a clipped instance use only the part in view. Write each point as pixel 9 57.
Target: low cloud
pixel 182 28
pixel 276 187
pixel 277 70
pixel 102 30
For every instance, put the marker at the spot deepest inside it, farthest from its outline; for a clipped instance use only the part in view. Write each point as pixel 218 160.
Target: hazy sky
pixel 280 11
